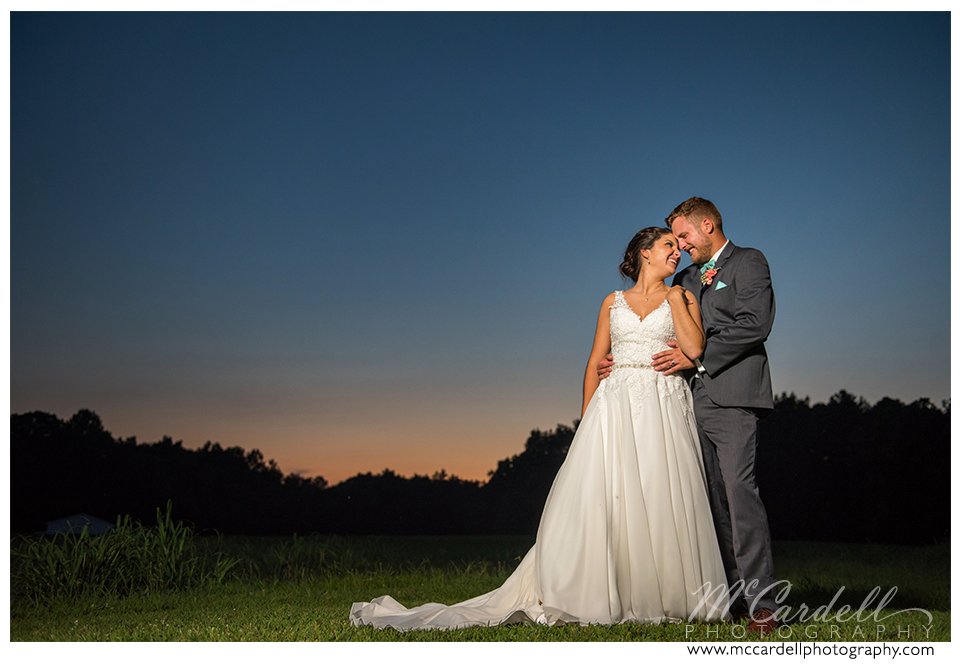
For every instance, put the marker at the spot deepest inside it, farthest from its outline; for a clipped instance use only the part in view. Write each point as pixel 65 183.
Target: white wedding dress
pixel 626 532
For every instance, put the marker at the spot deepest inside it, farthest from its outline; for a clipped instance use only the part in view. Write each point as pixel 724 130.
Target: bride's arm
pixel 686 322
pixel 601 346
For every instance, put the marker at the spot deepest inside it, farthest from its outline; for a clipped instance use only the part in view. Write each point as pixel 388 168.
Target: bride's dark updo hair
pixel 642 240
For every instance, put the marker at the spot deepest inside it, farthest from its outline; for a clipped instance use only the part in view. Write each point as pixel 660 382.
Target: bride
pixel 626 532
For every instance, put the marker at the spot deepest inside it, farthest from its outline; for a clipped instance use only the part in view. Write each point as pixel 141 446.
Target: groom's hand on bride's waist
pixel 671 361
pixel 605 366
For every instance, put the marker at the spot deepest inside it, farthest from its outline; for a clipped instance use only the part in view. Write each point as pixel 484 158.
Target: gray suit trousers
pixel 728 438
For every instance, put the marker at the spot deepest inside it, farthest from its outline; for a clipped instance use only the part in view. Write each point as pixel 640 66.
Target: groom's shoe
pixel 763 621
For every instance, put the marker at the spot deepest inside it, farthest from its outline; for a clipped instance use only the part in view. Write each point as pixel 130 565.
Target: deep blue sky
pixel 359 241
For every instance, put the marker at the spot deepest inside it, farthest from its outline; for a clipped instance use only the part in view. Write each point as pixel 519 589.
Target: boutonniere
pixel 706 278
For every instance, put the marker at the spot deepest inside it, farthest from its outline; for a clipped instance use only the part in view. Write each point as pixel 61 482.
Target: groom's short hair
pixel 696 208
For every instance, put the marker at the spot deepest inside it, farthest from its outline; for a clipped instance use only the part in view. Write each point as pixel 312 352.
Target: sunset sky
pixel 368 241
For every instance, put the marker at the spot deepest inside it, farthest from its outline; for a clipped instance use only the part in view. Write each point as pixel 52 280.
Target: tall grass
pixel 130 558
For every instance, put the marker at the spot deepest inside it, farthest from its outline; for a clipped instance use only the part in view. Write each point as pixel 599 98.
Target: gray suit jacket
pixel 737 311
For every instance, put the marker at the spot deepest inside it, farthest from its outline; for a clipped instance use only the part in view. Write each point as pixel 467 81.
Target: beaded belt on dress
pixel 617 365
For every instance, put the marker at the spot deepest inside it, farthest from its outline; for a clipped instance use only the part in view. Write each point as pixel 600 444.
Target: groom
pixel 731 387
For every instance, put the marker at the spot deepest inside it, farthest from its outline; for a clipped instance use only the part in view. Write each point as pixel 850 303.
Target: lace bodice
pixel 633 341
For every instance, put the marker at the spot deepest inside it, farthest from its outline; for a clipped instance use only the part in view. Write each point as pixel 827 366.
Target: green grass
pixel 301 590
pixel 130 558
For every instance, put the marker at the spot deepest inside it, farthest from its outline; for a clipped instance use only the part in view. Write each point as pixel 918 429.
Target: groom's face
pixel 692 239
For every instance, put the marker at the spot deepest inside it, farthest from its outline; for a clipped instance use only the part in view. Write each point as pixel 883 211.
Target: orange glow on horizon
pixel 464 440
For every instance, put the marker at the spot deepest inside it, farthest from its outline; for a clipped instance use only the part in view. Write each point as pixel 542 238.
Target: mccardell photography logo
pixel 871 620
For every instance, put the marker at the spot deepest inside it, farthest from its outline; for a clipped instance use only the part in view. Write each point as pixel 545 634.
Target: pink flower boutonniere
pixel 706 278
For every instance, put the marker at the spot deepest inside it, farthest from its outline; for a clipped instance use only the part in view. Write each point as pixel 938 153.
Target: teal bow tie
pixel 706 267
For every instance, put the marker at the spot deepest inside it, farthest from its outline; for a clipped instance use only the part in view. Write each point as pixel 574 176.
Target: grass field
pixel 288 589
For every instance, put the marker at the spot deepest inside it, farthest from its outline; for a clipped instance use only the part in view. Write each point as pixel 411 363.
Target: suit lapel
pixel 703 289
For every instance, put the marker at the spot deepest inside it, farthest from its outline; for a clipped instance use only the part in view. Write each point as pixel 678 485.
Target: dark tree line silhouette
pixel 843 470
